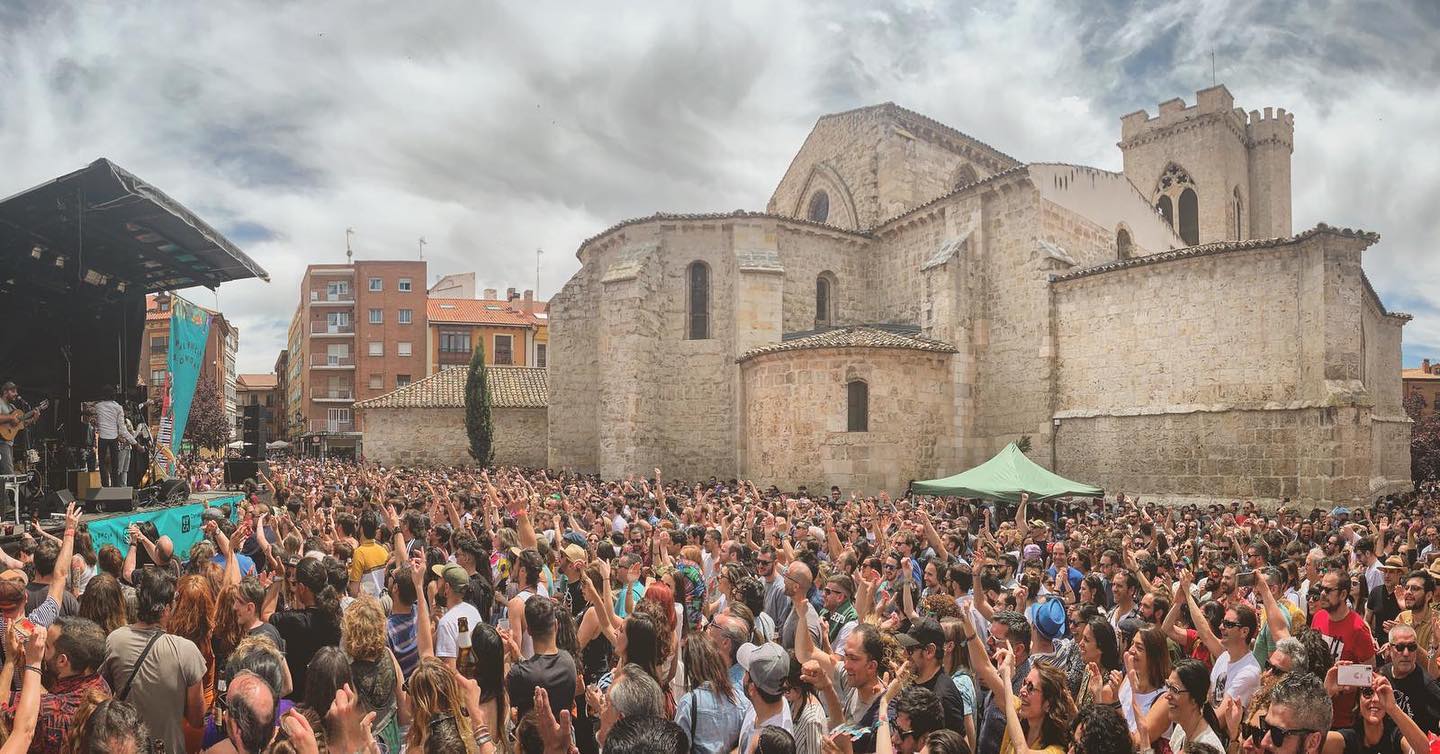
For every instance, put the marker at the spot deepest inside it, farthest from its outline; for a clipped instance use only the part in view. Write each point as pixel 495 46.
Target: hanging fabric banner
pixel 189 328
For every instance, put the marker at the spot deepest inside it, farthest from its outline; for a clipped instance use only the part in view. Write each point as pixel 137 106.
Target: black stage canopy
pixel 77 256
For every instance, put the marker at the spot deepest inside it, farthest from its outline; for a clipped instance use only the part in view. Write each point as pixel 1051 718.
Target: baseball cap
pixel 923 632
pixel 768 665
pixel 1031 551
pixel 1050 618
pixel 453 574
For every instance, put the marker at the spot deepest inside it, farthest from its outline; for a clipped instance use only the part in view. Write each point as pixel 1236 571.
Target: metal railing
pixel 327 360
pixel 330 394
pixel 324 328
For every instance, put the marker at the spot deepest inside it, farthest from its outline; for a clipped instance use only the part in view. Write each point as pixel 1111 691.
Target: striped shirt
pixel 401 635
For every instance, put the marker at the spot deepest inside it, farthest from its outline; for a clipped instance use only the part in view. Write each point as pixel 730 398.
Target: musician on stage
pixel 110 424
pixel 9 392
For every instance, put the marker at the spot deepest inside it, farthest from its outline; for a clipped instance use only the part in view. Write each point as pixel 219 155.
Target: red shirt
pixel 1349 639
pixel 57 710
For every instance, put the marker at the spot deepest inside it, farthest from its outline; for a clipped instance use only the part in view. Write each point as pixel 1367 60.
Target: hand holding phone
pixel 1354 675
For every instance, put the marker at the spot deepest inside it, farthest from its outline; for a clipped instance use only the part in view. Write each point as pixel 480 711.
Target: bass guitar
pixel 13 422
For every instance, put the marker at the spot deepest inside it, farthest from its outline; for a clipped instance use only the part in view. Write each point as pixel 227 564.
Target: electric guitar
pixel 13 422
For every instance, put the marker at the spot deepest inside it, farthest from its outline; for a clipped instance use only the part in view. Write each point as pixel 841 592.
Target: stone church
pixel 913 299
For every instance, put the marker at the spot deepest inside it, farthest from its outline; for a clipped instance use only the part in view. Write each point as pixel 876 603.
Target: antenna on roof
pixel 538 252
pixel 1213 81
pixel 349 255
pixel 422 247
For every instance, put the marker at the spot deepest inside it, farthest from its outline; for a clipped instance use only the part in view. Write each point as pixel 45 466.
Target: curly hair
pixel 1059 705
pixel 362 629
pixel 940 606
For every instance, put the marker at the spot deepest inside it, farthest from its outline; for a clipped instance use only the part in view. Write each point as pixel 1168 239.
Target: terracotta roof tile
pixel 510 387
pixel 257 381
pixel 856 336
pixel 477 312
pixel 1417 374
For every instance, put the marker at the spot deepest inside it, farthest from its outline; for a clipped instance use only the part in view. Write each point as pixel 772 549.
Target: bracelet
pixel 35 668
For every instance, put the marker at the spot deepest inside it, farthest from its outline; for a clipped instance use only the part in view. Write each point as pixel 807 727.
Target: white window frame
pixel 403 348
pixel 404 286
pixel 376 285
pixel 337 416
pixel 405 316
pixel 377 348
pixel 377 316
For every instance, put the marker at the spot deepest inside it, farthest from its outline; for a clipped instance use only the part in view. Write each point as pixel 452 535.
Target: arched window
pixel 1239 226
pixel 1189 217
pixel 1123 246
pixel 1167 211
pixel 965 176
pixel 825 300
pixel 819 210
pixel 857 406
pixel 698 296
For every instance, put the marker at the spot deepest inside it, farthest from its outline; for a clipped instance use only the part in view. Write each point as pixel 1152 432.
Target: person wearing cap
pixel 767 666
pixel 924 646
pixel 1383 604
pixel 839 612
pixel 451 597
pixel 13 590
pixel 570 589
pixel 1050 641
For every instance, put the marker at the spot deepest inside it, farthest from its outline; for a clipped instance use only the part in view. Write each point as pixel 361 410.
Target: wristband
pixel 35 668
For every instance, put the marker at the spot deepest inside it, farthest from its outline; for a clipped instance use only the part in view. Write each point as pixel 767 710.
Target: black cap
pixel 922 632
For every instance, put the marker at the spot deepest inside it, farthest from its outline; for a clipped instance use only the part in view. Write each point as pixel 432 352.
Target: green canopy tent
pixel 1004 477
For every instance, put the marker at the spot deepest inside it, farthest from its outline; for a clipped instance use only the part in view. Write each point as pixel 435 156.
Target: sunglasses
pixel 1229 624
pixel 1271 667
pixel 1405 646
pixel 1329 589
pixel 1277 735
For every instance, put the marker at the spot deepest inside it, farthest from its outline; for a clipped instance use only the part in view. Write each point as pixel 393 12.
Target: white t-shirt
pixel 749 727
pixel 1207 736
pixel 447 631
pixel 1238 678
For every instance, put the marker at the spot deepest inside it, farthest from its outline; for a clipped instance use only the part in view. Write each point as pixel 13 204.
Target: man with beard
pixel 1346 633
pixel 74 649
pixel 1419 612
pixel 1417 695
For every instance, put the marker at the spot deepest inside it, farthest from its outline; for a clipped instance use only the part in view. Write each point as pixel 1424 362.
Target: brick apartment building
pixel 359 331
pixel 260 390
pixel 514 330
pixel 1424 382
pixel 222 344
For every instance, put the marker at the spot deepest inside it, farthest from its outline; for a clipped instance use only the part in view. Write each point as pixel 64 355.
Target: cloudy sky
pixel 494 129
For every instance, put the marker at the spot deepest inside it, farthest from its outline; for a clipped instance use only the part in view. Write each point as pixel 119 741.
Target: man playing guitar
pixel 12 420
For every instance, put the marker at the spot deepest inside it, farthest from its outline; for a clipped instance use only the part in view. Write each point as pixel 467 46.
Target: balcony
pixel 339 427
pixel 327 361
pixel 323 328
pixel 338 395
pixel 319 298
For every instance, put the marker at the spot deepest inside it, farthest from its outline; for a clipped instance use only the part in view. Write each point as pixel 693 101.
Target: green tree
pixel 477 410
pixel 1424 440
pixel 206 427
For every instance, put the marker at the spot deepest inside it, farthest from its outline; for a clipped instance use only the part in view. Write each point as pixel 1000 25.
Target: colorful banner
pixel 181 523
pixel 189 328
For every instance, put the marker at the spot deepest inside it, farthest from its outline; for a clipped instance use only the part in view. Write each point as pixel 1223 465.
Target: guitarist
pixel 9 392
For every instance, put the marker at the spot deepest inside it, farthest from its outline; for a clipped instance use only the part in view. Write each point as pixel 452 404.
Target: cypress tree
pixel 477 409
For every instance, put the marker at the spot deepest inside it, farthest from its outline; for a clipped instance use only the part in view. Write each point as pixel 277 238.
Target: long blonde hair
pixel 435 696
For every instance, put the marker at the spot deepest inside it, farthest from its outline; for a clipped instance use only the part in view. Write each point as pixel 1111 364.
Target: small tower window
pixel 1239 233
pixel 825 300
pixel 1123 246
pixel 698 308
pixel 1167 211
pixel 857 404
pixel 1189 217
pixel 819 210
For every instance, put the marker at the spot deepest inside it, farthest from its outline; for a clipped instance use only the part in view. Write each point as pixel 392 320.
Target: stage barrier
pixel 181 523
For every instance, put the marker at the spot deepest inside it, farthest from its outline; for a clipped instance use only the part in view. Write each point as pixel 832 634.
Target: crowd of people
pixel 351 608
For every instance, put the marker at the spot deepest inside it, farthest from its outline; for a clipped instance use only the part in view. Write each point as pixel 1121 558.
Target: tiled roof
pixel 477 312
pixel 510 387
pixel 1216 248
pixel 738 214
pixel 1417 374
pixel 257 381
pixel 854 336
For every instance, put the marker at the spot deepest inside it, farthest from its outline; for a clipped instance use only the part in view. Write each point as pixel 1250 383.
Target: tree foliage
pixel 477 410
pixel 207 426
pixel 1424 440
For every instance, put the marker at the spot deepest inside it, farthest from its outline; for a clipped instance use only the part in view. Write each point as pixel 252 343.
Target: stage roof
pixel 105 219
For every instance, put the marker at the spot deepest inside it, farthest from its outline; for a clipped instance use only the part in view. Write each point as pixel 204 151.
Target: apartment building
pixel 359 331
pixel 514 330
pixel 260 390
pixel 221 346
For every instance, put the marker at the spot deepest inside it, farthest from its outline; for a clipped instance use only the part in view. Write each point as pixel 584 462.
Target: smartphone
pixel 26 628
pixel 1354 675
pixel 1245 578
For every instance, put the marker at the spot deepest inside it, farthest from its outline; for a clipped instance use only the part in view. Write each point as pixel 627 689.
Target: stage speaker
pixel 56 502
pixel 111 499
pixel 252 432
pixel 237 470
pixel 173 491
pixel 82 481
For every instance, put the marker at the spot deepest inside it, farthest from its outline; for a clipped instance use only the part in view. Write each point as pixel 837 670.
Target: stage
pixel 181 522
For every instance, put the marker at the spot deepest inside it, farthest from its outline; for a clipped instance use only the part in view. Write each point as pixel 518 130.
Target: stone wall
pixel 436 436
pixel 795 418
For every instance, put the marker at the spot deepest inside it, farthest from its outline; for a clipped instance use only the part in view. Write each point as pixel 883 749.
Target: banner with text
pixel 180 523
pixel 189 328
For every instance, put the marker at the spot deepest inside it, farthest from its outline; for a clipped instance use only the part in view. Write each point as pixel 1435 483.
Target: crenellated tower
pixel 1213 171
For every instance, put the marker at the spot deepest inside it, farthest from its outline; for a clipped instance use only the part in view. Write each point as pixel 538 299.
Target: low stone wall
pixel 436 436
